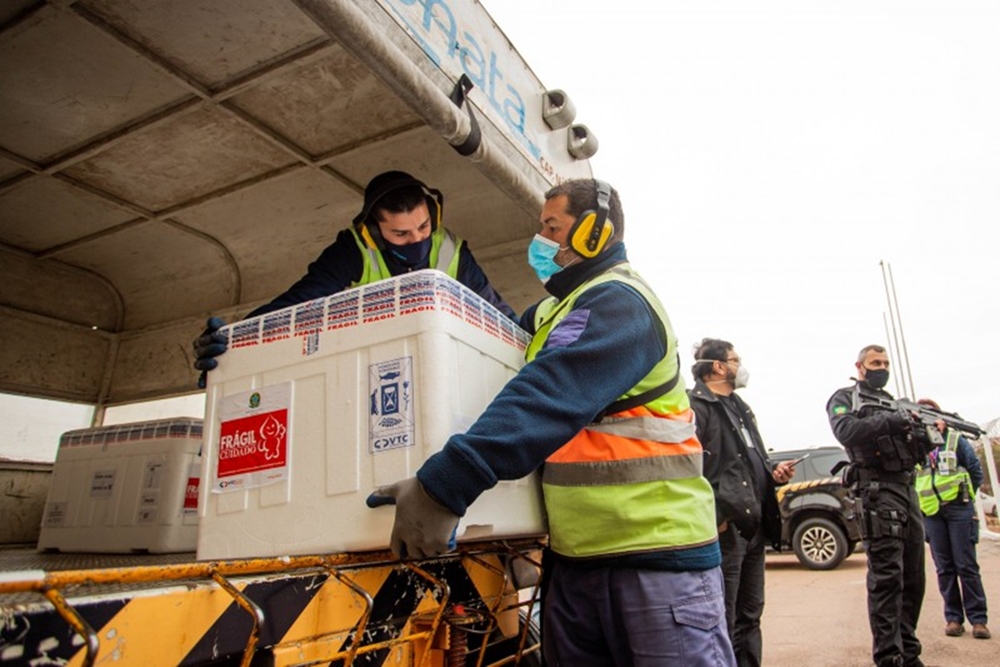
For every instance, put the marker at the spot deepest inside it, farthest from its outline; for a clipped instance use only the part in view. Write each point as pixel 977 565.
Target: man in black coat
pixel 743 479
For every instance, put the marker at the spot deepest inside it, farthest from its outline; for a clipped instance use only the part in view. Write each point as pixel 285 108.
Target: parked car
pixel 817 517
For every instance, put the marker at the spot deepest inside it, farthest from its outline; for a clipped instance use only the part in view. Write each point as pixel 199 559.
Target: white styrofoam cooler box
pixel 125 488
pixel 315 406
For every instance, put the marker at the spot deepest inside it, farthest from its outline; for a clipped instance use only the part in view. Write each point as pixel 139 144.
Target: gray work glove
pixel 423 527
pixel 207 347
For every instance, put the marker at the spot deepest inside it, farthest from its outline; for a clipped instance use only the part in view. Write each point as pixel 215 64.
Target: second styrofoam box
pixel 313 407
pixel 125 488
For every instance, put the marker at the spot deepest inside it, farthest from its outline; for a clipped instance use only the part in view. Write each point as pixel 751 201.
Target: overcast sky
pixel 770 154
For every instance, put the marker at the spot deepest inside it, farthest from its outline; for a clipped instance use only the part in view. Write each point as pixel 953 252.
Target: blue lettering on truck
pixel 424 17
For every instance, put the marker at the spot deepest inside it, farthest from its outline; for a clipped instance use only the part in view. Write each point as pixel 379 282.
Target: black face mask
pixel 411 254
pixel 877 378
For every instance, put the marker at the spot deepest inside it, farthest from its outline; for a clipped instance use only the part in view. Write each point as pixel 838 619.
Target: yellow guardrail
pixel 444 627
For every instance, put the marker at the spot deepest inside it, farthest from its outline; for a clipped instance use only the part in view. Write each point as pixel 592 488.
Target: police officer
pixel 883 448
pixel 946 486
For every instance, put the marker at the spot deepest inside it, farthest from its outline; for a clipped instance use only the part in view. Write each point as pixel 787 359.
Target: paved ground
pixel 820 619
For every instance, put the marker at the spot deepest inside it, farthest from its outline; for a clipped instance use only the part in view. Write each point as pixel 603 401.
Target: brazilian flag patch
pixel 839 409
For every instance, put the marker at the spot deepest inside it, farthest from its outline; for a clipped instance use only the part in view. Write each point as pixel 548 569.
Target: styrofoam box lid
pixel 420 291
pixel 160 429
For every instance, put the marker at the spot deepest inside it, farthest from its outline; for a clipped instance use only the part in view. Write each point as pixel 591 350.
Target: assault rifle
pixel 923 415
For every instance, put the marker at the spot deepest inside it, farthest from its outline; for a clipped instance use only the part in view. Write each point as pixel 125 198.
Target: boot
pixel 954 629
pixel 980 631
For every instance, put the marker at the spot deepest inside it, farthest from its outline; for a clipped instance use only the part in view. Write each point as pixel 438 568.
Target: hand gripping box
pixel 125 488
pixel 315 406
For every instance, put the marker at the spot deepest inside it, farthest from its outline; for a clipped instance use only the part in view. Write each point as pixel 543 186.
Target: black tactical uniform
pixel 883 453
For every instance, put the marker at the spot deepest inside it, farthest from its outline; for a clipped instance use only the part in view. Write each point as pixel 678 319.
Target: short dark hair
pixel 869 348
pixel 709 348
pixel 581 195
pixel 391 191
pixel 402 200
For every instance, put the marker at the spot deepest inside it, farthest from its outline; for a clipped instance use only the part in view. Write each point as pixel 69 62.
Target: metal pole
pixel 892 353
pixel 913 391
pixel 892 319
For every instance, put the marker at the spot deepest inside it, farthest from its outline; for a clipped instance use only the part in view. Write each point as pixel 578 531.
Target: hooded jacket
pixel 343 264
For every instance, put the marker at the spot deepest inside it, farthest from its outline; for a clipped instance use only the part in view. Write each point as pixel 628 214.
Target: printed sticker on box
pixel 153 476
pixel 102 484
pixel 191 490
pixel 149 506
pixel 55 514
pixel 253 439
pixel 390 397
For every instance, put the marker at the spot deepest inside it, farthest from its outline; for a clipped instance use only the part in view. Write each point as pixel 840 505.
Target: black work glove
pixel 207 347
pixel 928 438
pixel 900 421
pixel 423 527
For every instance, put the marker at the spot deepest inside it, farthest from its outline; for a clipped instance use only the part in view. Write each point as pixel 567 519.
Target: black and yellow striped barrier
pixel 345 609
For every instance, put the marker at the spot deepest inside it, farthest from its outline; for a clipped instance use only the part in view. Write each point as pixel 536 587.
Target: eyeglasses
pixel 721 361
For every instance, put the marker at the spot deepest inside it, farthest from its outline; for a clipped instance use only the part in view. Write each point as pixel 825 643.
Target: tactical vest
pixel 886 453
pixel 443 256
pixel 935 488
pixel 633 482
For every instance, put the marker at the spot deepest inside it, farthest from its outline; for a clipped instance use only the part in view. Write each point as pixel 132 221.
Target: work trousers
pixel 953 533
pixel 743 572
pixel 894 541
pixel 625 617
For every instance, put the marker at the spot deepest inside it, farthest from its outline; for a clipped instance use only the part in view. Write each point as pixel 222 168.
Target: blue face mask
pixel 542 257
pixel 411 254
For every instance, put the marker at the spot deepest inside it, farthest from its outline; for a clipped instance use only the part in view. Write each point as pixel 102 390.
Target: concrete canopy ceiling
pixel 164 161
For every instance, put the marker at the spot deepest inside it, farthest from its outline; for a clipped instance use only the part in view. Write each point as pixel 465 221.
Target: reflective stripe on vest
pixel 633 482
pixel 444 256
pixel 933 488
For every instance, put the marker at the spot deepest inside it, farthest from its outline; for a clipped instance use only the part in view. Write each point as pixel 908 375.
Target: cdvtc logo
pixel 391 442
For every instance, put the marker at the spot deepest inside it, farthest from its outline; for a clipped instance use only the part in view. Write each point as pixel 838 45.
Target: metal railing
pixel 991 472
pixel 425 629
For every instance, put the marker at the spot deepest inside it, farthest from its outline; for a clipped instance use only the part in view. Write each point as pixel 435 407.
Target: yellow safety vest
pixel 632 483
pixel 444 255
pixel 934 488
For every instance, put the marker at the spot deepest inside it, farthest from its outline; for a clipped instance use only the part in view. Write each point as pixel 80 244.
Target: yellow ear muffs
pixel 590 233
pixel 435 204
pixel 366 234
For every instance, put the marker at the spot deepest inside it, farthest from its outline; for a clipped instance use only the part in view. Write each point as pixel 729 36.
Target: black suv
pixel 817 517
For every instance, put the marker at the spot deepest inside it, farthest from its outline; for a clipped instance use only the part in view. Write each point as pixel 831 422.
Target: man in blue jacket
pixel 399 229
pixel 633 575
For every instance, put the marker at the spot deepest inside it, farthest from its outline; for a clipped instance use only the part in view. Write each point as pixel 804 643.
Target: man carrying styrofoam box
pixel 398 230
pixel 634 562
